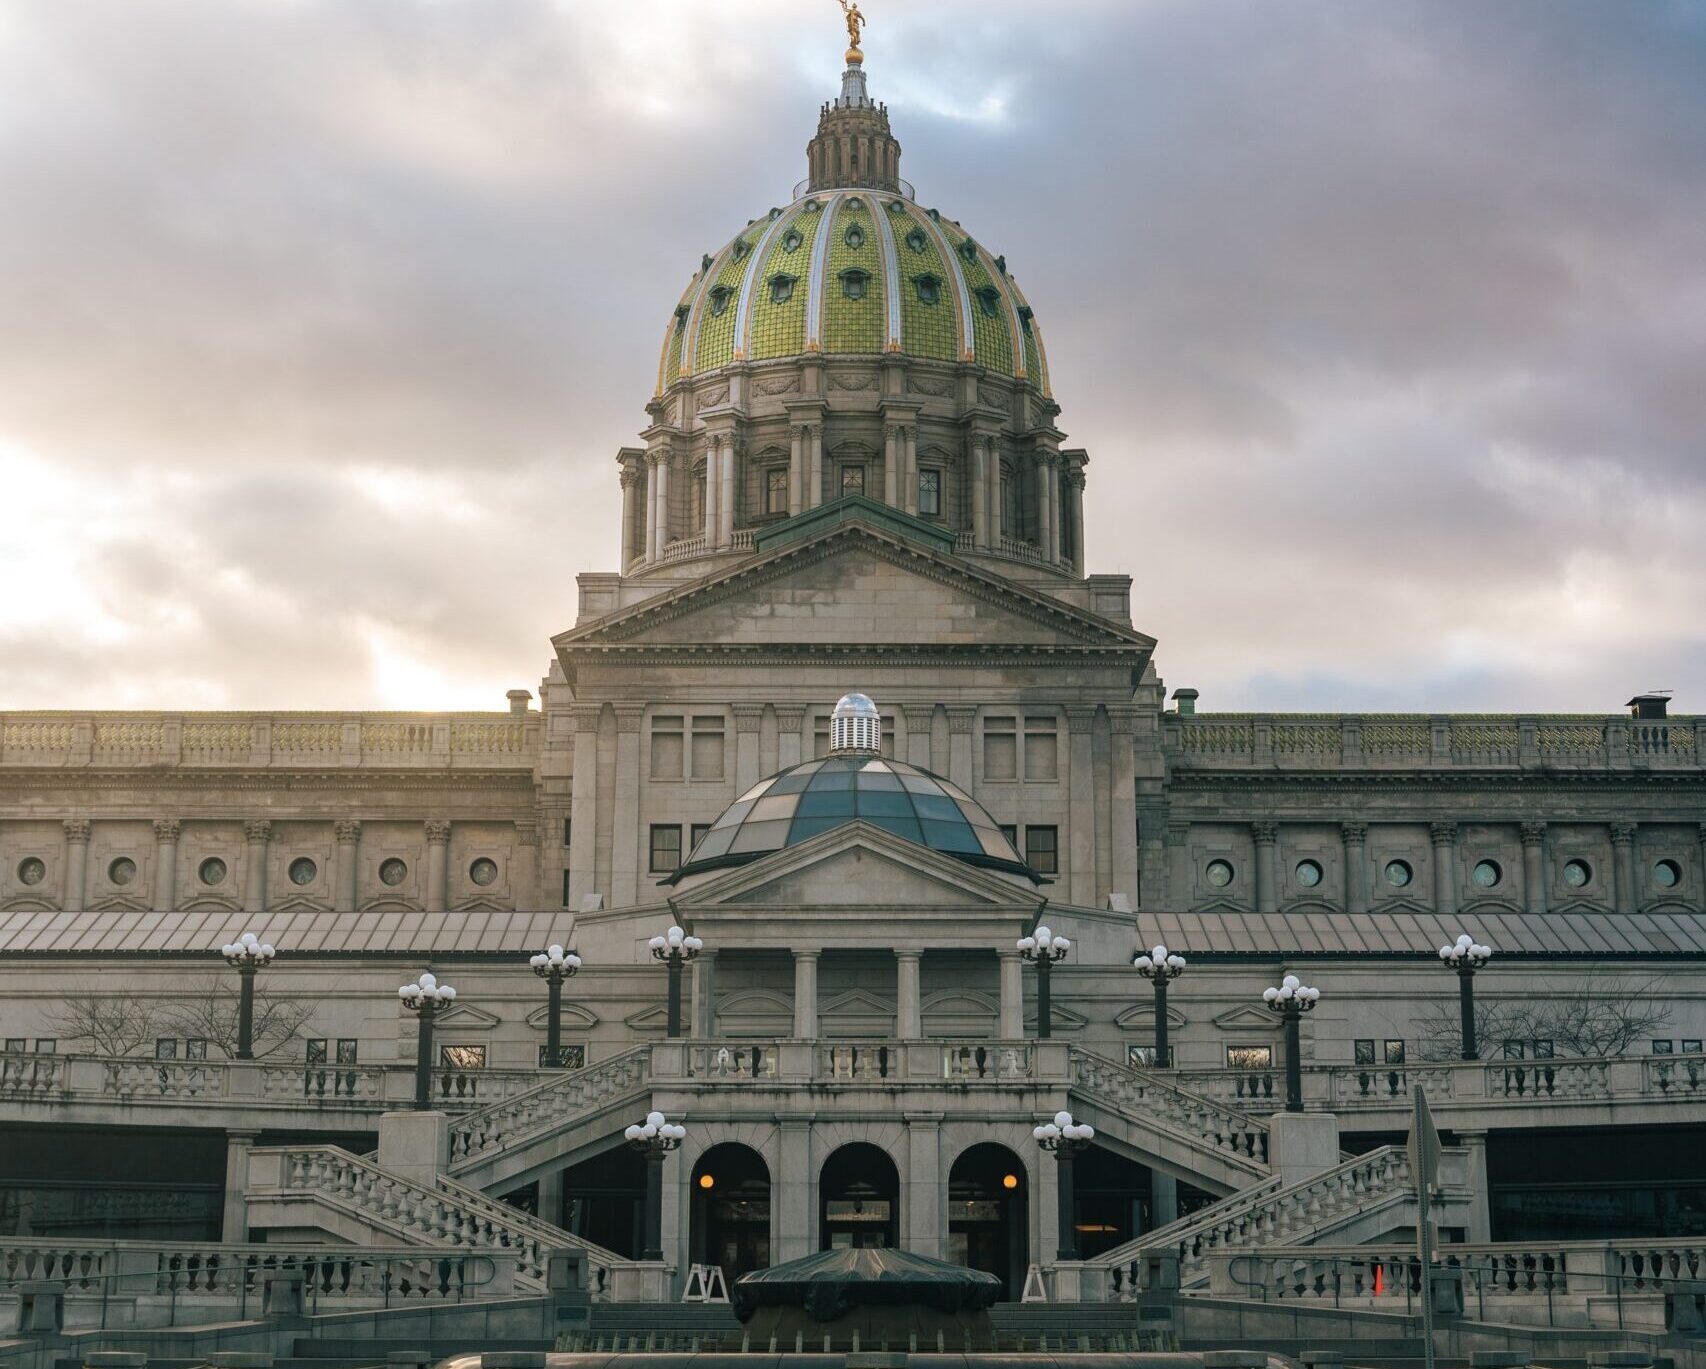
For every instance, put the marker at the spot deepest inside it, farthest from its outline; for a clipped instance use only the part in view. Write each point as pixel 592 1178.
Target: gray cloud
pixel 321 324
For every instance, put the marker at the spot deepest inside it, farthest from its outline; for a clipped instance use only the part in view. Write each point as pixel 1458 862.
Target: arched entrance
pixel 604 1200
pixel 729 1221
pixel 988 1225
pixel 859 1198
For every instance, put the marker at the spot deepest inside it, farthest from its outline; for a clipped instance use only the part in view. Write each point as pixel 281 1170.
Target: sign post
pixel 1423 1145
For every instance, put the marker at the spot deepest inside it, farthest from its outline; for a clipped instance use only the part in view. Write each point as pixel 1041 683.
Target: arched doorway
pixel 859 1198
pixel 988 1225
pixel 729 1222
pixel 604 1200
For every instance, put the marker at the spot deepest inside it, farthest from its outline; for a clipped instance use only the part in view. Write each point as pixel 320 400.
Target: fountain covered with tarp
pixel 885 1297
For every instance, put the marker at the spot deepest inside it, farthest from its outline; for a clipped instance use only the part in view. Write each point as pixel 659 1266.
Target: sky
pixel 321 322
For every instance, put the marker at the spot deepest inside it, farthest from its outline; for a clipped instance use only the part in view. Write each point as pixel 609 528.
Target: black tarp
pixel 832 1283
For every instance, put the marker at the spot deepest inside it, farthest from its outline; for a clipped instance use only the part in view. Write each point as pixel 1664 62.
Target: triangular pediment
pixel 1140 1017
pixel 1247 1018
pixel 465 1017
pixel 575 1018
pixel 856 584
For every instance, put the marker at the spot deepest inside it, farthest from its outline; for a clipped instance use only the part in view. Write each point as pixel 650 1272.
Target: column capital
pixel 1080 718
pixel 790 717
pixel 437 831
pixel 628 716
pixel 797 432
pixel 1265 833
pixel 908 953
pixel 632 476
pixel 526 832
pixel 77 829
pixel 167 829
pixel 1354 832
pixel 1006 953
pixel 1442 833
pixel 960 717
pixel 347 831
pixel 257 829
pixel 586 717
pixel 1178 831
pixel 812 954
pixel 1622 833
pixel 919 717
pixel 1122 716
pixel 747 716
pixel 1533 833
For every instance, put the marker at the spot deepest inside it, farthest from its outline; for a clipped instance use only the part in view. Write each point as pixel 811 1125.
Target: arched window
pixel 854 281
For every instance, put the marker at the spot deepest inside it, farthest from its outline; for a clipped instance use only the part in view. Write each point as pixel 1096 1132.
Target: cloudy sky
pixel 321 322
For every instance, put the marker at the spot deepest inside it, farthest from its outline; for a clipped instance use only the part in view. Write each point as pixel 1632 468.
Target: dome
pixel 806 800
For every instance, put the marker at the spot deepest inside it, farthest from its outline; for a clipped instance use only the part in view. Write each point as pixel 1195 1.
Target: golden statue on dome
pixel 855 22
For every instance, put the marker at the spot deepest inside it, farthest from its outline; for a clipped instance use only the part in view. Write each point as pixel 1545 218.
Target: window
pixel 484 871
pixel 1249 1057
pixel 791 240
pixel 741 248
pixel 852 480
pixel 195 1048
pixel 211 871
pixel 303 870
pixel 1488 873
pixel 1578 874
pixel 46 1045
pixel 1011 832
pixel 781 288
pixel 348 1048
pixel 1542 1050
pixel 32 870
pixel 393 872
pixel 1514 1050
pixel 1042 849
pixel 930 493
pixel 568 833
pixel 916 240
pixel 1308 873
pixel 122 870
pixel 1000 749
pixel 1219 873
pixel 929 288
pixel 1398 873
pixel 666 848
pixel 988 300
pixel 1041 749
pixel 695 834
pixel 666 748
pixel 316 1051
pixel 1667 874
pixel 1142 1057
pixel 854 281
pixel 462 1057
pixel 855 236
pixel 707 746
pixel 166 1048
pixel 568 1057
pixel 776 490
pixel 1663 1048
pixel 1364 1051
pixel 16 1045
pixel 719 298
pixel 1689 1046
pixel 1394 1052
pixel 565 887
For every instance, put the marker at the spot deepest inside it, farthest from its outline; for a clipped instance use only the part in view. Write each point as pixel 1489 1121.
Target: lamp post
pixel 654 1138
pixel 1043 947
pixel 247 955
pixel 675 948
pixel 554 965
pixel 1466 955
pixel 1291 1000
pixel 1065 1138
pixel 425 997
pixel 1160 967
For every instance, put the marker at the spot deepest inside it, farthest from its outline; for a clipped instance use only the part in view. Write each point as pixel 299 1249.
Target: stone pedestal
pixel 1302 1145
pixel 642 1281
pixel 415 1145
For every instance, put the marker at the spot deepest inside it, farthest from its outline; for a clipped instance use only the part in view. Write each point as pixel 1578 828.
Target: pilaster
pixel 790 718
pixel 805 995
pixel 1444 838
pixel 1081 807
pixel 166 832
pixel 1011 1024
pixel 920 718
pixel 437 832
pixel 1122 806
pixel 76 863
pixel 583 813
pixel 347 834
pixel 960 720
pixel 749 719
pixel 626 860
pixel 1354 836
pixel 1534 866
pixel 1265 835
pixel 1179 864
pixel 1623 864
pixel 908 1017
pixel 256 833
pixel 925 1222
pixel 524 872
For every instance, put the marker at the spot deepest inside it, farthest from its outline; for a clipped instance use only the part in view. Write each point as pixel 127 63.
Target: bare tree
pixel 113 1023
pixel 212 1017
pixel 1593 1019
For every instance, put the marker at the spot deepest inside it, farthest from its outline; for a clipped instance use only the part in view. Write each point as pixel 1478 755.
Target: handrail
pixel 482 1132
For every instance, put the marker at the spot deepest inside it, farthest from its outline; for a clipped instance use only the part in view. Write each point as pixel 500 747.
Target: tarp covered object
pixel 832 1283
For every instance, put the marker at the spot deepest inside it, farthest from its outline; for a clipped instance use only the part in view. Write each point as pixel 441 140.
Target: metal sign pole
pixel 1424 1165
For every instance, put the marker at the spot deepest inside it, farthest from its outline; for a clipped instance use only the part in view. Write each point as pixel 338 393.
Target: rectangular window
pixel 852 480
pixel 666 848
pixel 1365 1052
pixel 166 1048
pixel 930 493
pixel 1041 749
pixel 1010 830
pixel 462 1057
pixel 1042 849
pixel 347 1050
pixel 569 1057
pixel 1515 1050
pixel 46 1045
pixel 776 490
pixel 195 1048
pixel 17 1045
pixel 666 748
pixel 1663 1048
pixel 316 1051
pixel 707 747
pixel 1142 1057
pixel 1542 1050
pixel 568 832
pixel 565 888
pixel 1689 1047
pixel 1249 1057
pixel 1000 749
pixel 1394 1052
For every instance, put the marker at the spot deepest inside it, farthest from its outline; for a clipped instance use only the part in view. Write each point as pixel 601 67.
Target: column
pixel 979 493
pixel 1354 835
pixel 713 497
pixel 1265 835
pixel 923 1224
pixel 234 1221
pixel 1075 514
pixel 908 1014
pixel 814 471
pixel 551 1196
pixel 1011 1024
pixel 1533 866
pixel 789 719
pixel 663 501
pixel 794 1232
pixel 891 465
pixel 1122 809
pixel 651 506
pixel 992 451
pixel 960 720
pixel 583 812
pixel 796 469
pixel 625 859
pixel 1623 864
pixel 805 995
pixel 1444 838
pixel 629 497
pixel 256 834
pixel 919 720
pixel 438 866
pixel 1080 807
pixel 347 834
pixel 1480 1216
pixel 909 468
pixel 524 873
pixel 726 493
pixel 748 719
pixel 76 863
pixel 1179 865
pixel 1042 472
pixel 166 863
pixel 1054 510
pixel 704 1021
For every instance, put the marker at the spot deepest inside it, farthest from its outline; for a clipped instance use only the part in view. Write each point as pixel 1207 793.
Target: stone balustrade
pixel 277 741
pixel 490 1131
pixel 1157 1095
pixel 1295 741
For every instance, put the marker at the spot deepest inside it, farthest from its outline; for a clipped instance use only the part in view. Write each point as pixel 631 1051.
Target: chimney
pixel 1649 705
pixel 1186 699
pixel 518 700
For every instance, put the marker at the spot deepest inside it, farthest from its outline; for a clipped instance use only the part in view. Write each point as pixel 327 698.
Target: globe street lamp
pixel 1065 1138
pixel 675 948
pixel 1043 947
pixel 1291 1000
pixel 654 1138
pixel 426 997
pixel 247 954
pixel 1161 967
pixel 1466 956
pixel 554 965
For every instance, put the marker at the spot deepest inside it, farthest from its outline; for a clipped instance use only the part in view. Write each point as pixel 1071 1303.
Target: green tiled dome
pixel 853 271
pixel 806 800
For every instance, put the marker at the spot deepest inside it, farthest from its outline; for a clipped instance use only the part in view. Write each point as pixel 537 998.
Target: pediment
pixel 754 1013
pixel 1219 905
pixel 651 1020
pixel 119 903
pixel 1405 904
pixel 1491 904
pixel 1140 1017
pixel 959 1014
pixel 1246 1018
pixel 575 1018
pixel 1579 905
pixel 1062 1020
pixel 856 1013
pixel 465 1017
pixel 855 583
pixel 300 903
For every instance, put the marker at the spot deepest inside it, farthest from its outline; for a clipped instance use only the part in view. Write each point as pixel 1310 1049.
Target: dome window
pixel 704 263
pixel 741 248
pixel 855 236
pixel 854 281
pixel 896 206
pixel 929 288
pixel 773 215
pixel 855 203
pixel 814 206
pixel 968 250
pixel 1025 317
pixel 915 239
pixel 791 240
pixel 989 300
pixel 1001 265
pixel 782 287
pixel 680 317
pixel 720 298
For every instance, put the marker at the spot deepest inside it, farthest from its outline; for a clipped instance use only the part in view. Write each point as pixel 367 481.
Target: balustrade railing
pixel 1156 1095
pixel 489 1130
